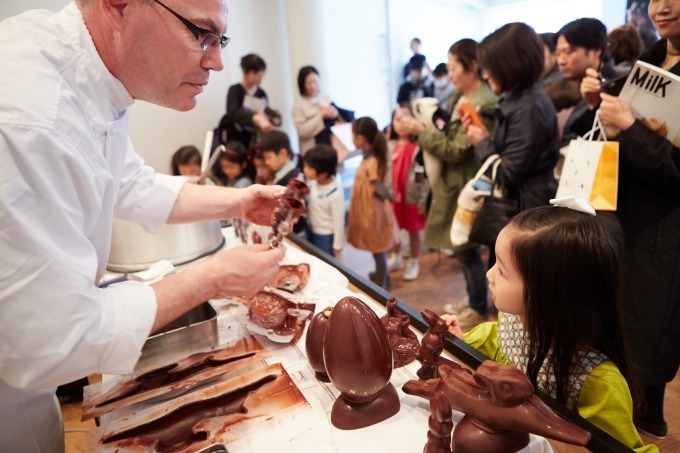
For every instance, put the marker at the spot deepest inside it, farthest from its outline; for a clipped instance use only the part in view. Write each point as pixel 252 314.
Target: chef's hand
pixel 454 325
pixel 244 270
pixel 615 112
pixel 258 202
pixel 591 87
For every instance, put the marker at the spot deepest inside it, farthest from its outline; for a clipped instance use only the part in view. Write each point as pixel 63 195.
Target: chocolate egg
pixel 356 351
pixel 314 342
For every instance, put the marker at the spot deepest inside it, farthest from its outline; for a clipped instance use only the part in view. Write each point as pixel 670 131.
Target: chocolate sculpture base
pixel 348 415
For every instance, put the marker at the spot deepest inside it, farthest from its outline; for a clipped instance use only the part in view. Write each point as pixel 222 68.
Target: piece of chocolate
pixel 499 402
pixel 314 343
pixel 440 424
pixel 173 379
pixel 291 277
pixel 174 431
pixel 267 310
pixel 278 315
pixel 432 346
pixel 403 341
pixel 358 360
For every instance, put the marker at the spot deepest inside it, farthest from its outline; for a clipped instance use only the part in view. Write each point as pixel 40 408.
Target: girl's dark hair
pixel 550 40
pixel 589 33
pixel 322 158
pixel 440 70
pixel 625 43
pixel 237 153
pixel 368 128
pixel 184 155
pixel 571 266
pixel 392 135
pixel 253 63
pixel 513 55
pixel 564 94
pixel 465 52
pixel 302 76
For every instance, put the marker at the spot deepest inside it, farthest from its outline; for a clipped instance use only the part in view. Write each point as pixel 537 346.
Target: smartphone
pixel 466 107
pixel 483 185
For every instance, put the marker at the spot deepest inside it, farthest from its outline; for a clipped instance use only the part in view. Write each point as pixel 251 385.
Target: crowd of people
pixel 602 344
pixel 531 95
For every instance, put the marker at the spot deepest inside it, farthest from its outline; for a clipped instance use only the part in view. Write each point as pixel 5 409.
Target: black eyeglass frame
pixel 200 33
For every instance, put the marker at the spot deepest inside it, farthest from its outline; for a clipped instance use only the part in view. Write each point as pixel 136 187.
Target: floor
pixel 440 282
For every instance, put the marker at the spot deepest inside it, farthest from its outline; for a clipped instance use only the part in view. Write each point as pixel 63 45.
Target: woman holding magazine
pixel 649 210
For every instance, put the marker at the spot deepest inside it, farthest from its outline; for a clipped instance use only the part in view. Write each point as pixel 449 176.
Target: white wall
pixel 551 15
pixel 438 24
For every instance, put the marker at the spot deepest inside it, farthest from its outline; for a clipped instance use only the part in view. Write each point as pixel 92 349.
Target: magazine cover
pixel 654 95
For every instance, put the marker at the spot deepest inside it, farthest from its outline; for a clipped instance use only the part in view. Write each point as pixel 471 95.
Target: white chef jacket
pixel 67 168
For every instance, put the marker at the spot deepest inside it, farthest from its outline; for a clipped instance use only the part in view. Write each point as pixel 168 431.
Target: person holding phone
pixel 458 166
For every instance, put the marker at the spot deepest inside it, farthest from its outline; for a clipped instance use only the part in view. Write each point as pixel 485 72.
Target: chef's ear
pixel 114 11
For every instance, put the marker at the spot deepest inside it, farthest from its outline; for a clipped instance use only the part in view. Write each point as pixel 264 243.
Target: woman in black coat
pixel 526 133
pixel 649 211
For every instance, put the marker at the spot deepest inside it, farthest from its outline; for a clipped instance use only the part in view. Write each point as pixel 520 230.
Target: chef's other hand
pixel 244 270
pixel 615 112
pixel 258 203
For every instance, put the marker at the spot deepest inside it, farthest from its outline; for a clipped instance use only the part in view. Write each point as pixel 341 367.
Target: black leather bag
pixel 496 213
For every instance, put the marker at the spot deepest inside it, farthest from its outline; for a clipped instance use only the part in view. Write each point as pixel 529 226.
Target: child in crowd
pixel 278 156
pixel 370 217
pixel 263 174
pixel 410 189
pixel 234 168
pixel 326 204
pixel 556 283
pixel 186 161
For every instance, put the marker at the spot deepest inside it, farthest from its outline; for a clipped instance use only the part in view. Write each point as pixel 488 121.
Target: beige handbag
pixel 470 201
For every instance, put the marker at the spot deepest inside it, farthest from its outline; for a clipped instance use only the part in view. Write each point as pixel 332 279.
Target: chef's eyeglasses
pixel 209 39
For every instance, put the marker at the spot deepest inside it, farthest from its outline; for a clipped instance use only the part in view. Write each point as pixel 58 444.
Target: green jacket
pixel 458 165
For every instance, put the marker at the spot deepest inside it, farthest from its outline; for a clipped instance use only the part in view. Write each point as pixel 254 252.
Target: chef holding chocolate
pixel 69 168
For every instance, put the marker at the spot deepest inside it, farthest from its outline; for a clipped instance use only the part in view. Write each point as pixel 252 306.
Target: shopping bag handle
pixel 597 127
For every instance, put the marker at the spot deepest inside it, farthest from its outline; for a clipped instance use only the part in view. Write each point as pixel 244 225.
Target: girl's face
pixel 312 84
pixel 232 169
pixel 463 80
pixel 360 141
pixel 398 123
pixel 505 282
pixel 193 168
pixel 495 87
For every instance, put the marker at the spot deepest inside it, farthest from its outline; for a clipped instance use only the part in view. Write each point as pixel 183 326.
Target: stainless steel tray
pixel 194 331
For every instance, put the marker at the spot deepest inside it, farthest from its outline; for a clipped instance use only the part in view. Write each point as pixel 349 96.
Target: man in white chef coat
pixel 67 168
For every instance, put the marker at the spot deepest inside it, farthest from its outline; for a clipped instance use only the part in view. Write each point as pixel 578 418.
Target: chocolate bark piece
pixel 358 360
pixel 291 277
pixel 267 310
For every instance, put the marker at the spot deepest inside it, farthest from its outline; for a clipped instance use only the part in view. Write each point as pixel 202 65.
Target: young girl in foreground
pixel 556 284
pixel 370 226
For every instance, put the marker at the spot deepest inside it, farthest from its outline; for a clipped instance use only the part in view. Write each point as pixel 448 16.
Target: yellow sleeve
pixel 484 338
pixel 605 401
